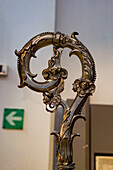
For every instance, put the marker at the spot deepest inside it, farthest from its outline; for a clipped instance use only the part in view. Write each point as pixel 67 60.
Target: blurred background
pixel 31 147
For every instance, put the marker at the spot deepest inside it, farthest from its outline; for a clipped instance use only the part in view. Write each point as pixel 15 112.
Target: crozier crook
pixel 53 85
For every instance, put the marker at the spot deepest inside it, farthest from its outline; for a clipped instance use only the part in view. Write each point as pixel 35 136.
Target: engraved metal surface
pixel 53 85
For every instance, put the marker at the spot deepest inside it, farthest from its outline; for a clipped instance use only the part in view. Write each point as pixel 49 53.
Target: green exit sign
pixel 13 118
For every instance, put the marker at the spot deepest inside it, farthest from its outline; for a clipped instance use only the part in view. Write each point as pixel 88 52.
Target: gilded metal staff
pixel 53 85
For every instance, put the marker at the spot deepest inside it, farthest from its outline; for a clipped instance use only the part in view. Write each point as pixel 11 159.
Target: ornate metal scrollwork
pixel 54 77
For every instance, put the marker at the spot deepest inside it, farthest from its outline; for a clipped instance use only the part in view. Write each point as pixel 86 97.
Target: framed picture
pixel 103 161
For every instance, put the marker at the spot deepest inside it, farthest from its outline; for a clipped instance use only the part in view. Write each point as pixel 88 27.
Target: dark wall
pixel 101 130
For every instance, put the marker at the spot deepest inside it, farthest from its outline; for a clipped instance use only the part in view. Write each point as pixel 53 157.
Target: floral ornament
pixel 51 100
pixel 54 73
pixel 83 87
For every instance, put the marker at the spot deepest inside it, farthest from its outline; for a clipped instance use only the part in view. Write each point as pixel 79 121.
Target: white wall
pixel 27 148
pixel 93 19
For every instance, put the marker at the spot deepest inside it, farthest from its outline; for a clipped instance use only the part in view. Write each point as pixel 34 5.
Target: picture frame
pixel 103 161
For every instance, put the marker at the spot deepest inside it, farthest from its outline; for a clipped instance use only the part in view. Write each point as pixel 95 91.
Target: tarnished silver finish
pixel 54 77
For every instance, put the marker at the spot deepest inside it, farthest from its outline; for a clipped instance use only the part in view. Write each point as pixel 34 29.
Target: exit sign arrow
pixel 13 118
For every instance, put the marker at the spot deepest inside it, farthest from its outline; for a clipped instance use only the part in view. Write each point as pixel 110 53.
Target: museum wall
pixel 28 148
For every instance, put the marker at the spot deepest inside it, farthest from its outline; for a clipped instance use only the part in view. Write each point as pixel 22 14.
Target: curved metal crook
pixel 54 84
pixel 55 74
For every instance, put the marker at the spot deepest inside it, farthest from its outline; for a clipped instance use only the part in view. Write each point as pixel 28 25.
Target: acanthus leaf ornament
pixel 53 85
